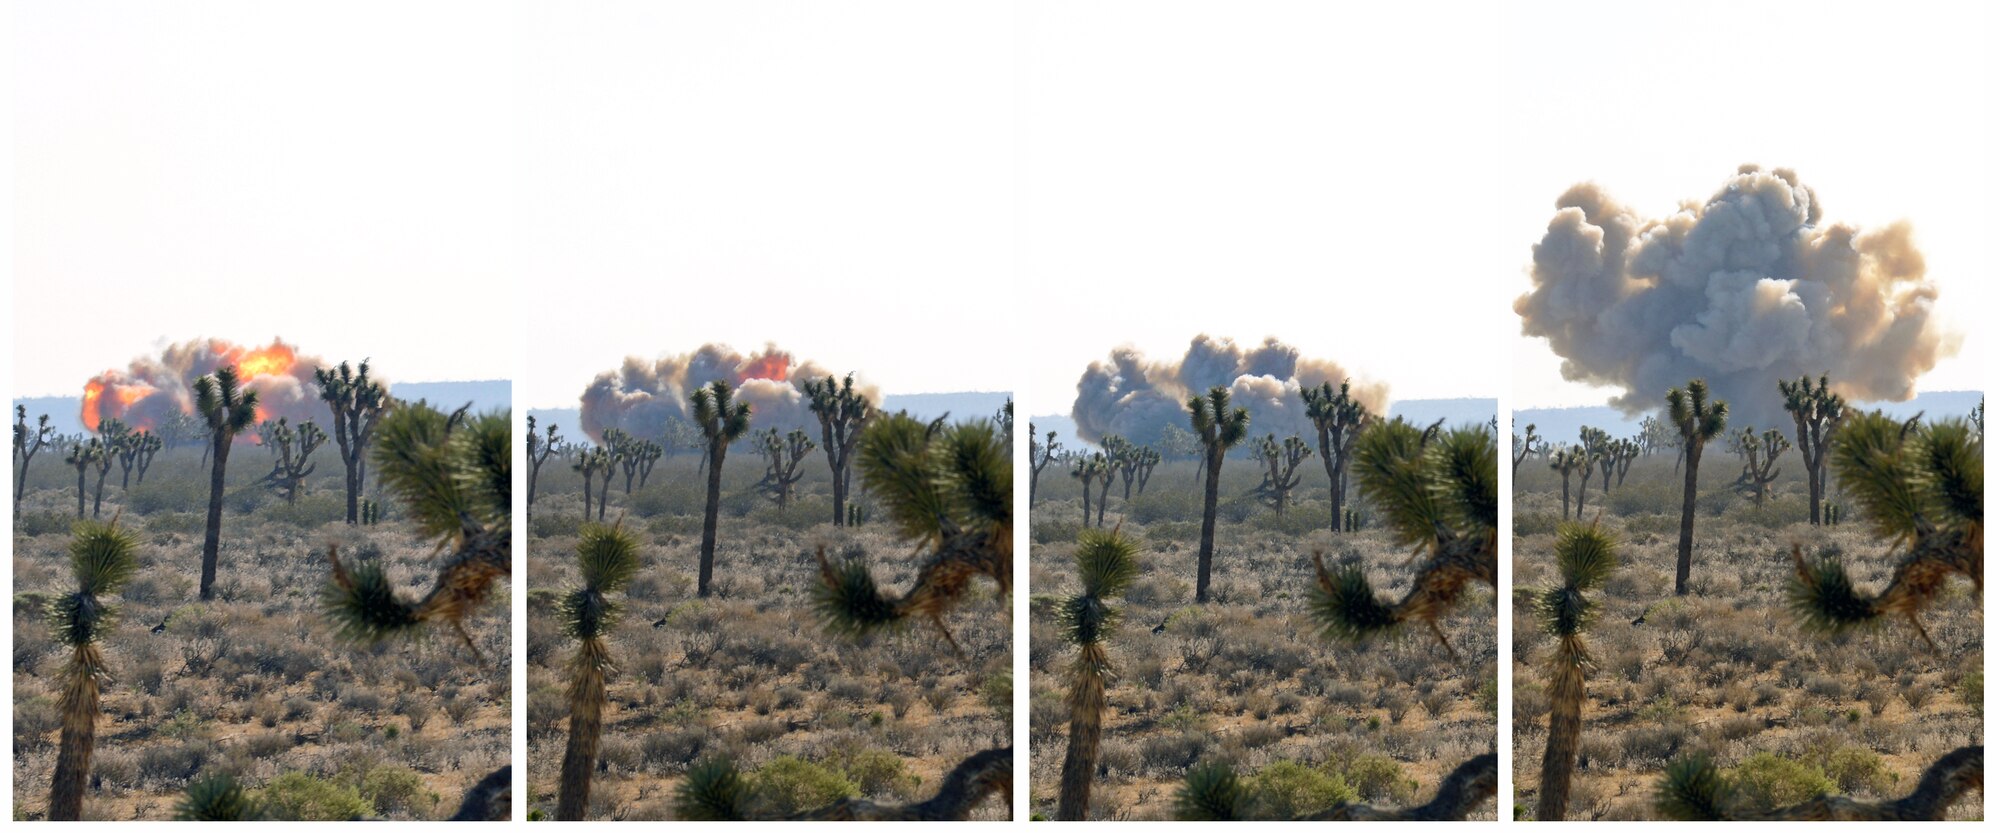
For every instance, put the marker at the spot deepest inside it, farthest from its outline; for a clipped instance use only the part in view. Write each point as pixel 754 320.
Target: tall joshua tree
pixel 123 444
pixel 1524 445
pixel 1585 557
pixel 102 557
pixel 1338 419
pixel 1090 470
pixel 1760 454
pixel 1281 469
pixel 722 420
pixel 1040 454
pixel 1565 461
pixel 1107 563
pixel 1220 428
pixel 782 458
pixel 1696 420
pixel 1922 489
pixel 1145 459
pixel 843 413
pixel 29 441
pixel 453 473
pixel 590 462
pixel 607 557
pixel 1625 453
pixel 1817 413
pixel 136 453
pixel 1595 443
pixel 227 409
pixel 1439 492
pixel 540 448
pixel 111 438
pixel 83 454
pixel 291 454
pixel 357 402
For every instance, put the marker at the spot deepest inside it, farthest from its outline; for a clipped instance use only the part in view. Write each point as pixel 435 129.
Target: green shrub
pixel 310 512
pixel 1767 782
pixel 1286 790
pixel 1535 523
pixel 1380 778
pixel 1972 691
pixel 1855 769
pixel 546 523
pixel 167 494
pixel 877 772
pixel 185 523
pixel 396 790
pixel 1162 504
pixel 296 796
pixel 791 785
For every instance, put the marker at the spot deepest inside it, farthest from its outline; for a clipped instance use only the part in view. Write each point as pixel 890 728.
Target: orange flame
pixel 126 395
pixel 269 361
pixel 774 366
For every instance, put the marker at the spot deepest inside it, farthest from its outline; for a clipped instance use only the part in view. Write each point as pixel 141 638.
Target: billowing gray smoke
pixel 1136 398
pixel 151 389
pixel 642 395
pixel 1742 290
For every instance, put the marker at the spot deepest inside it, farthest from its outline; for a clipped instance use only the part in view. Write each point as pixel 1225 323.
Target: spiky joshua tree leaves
pixel 1439 493
pixel 843 411
pixel 722 420
pixel 357 402
pixel 1919 487
pixel 1697 421
pixel 453 474
pixel 1585 557
pixel 102 558
pixel 1220 427
pixel 1338 419
pixel 1212 792
pixel 1695 789
pixel 29 441
pixel 607 557
pixel 1817 413
pixel 227 409
pixel 1107 563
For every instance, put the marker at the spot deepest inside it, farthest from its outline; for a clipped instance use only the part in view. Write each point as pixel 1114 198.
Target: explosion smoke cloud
pixel 642 395
pixel 1135 398
pixel 153 389
pixel 1742 290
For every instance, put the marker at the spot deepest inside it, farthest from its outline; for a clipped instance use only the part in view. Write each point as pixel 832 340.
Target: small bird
pixel 1160 628
pixel 660 624
pixel 162 626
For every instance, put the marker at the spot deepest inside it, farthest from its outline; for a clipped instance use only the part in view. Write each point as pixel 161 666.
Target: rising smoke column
pixel 1135 398
pixel 642 395
pixel 151 389
pixel 1742 290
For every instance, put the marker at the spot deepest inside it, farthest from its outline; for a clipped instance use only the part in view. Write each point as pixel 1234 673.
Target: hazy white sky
pixel 335 174
pixel 1885 109
pixel 834 177
pixel 1319 172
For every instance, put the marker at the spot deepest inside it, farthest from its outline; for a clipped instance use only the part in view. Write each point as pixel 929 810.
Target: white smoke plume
pixel 1135 398
pixel 1742 290
pixel 642 395
pixel 153 388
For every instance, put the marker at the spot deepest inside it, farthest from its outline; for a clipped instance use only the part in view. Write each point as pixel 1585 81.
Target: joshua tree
pixel 1281 463
pixel 1220 428
pixel 1624 452
pixel 83 454
pixel 843 413
pixel 1211 792
pixel 722 420
pixel 111 438
pixel 1565 461
pixel 1003 421
pixel 1145 458
pixel 1092 470
pixel 142 446
pixel 453 474
pixel 589 463
pixel 102 557
pixel 1595 444
pixel 1656 435
pixel 1040 454
pixel 540 448
pixel 1585 557
pixel 1122 455
pixel 1922 489
pixel 1524 445
pixel 227 409
pixel 647 454
pixel 1107 563
pixel 607 557
pixel 28 441
pixel 1760 461
pixel 1816 414
pixel 1697 421
pixel 1694 789
pixel 611 457
pixel 122 443
pixel 782 456
pixel 357 402
pixel 291 453
pixel 631 455
pixel 1437 491
pixel 1339 419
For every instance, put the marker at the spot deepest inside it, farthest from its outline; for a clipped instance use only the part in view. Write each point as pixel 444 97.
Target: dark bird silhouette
pixel 162 626
pixel 1160 628
pixel 1639 621
pixel 660 624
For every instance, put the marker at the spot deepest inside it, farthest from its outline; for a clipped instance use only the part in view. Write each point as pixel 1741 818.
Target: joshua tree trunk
pixel 79 737
pixel 586 495
pixel 1086 503
pixel 586 726
pixel 710 513
pixel 97 495
pixel 1086 732
pixel 1212 485
pixel 1816 488
pixel 1684 560
pixel 211 542
pixel 1565 496
pixel 1565 731
pixel 82 486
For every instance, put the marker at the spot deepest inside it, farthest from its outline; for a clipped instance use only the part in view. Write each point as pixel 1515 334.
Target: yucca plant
pixel 1921 488
pixel 1585 557
pixel 843 411
pixel 1220 427
pixel 1212 792
pixel 102 558
pixel 217 798
pixel 1817 413
pixel 453 474
pixel 1437 492
pixel 1697 421
pixel 227 409
pixel 1695 789
pixel 722 420
pixel 607 557
pixel 28 441
pixel 357 402
pixel 1106 563
pixel 1338 419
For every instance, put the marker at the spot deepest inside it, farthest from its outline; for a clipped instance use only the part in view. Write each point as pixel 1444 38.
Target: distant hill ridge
pixel 485 394
pixel 1420 411
pixel 959 405
pixel 1562 424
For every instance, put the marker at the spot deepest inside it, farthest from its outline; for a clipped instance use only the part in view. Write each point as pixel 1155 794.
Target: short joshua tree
pixel 1566 461
pixel 607 557
pixel 1525 443
pixel 85 455
pixel 1281 462
pixel 291 455
pixel 843 411
pixel 357 402
pixel 1042 450
pixel 1338 419
pixel 540 448
pixel 783 459
pixel 1817 413
pixel 29 441
pixel 1107 563
pixel 1585 557
pixel 1760 454
pixel 102 558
